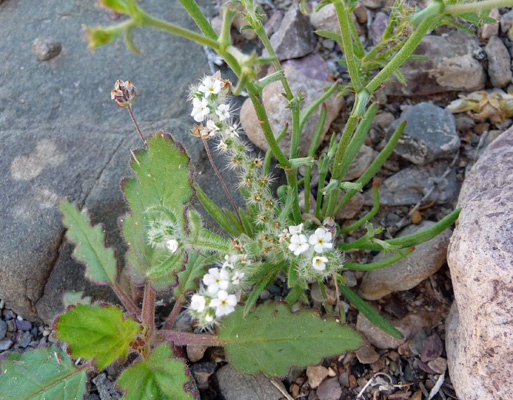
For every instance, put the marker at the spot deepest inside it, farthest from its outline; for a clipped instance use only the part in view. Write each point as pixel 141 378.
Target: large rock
pixel 480 256
pixel 407 273
pixel 499 62
pixel 430 133
pixel 278 114
pixel 450 67
pixel 63 136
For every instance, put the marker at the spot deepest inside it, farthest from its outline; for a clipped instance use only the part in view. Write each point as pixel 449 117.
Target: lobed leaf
pixel 272 339
pixel 160 377
pixel 46 373
pixel 163 182
pixel 100 261
pixel 98 332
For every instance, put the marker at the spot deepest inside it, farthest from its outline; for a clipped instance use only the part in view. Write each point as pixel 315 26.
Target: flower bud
pixel 123 93
pixel 99 36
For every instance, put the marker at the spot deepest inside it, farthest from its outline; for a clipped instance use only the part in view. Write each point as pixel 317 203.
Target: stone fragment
pixel 202 371
pixel 278 114
pixel 24 340
pixel 360 13
pixel 408 326
pixel 409 186
pixel 384 119
pixel 489 30
pixel 329 389
pixel 506 22
pixel 433 348
pixel 439 365
pixel 46 49
pixel 195 352
pixel 106 388
pixel 294 38
pixel 430 133
pixel 464 122
pixel 367 354
pixel 360 163
pixel 372 4
pixel 408 272
pixel 325 19
pixel 450 67
pixel 351 208
pixel 316 375
pixel 5 343
pixel 236 386
pixel 3 329
pixel 479 337
pixel 499 62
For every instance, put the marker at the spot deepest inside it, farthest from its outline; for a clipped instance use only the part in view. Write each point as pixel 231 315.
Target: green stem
pixel 456 9
pixel 268 153
pixel 403 54
pixel 148 308
pixel 378 264
pixel 296 132
pixel 199 18
pixel 345 30
pixel 311 153
pixel 292 183
pixel 339 156
pixel 157 23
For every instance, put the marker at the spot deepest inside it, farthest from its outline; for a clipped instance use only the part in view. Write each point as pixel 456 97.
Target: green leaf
pixel 272 339
pixel 194 270
pixel 214 211
pixel 160 377
pixel 100 261
pixel 46 373
pixel 371 314
pixel 163 182
pixel 98 332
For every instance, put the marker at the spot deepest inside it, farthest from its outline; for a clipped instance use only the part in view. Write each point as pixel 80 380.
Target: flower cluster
pixel 220 292
pixel 123 93
pixel 163 233
pixel 314 251
pixel 210 106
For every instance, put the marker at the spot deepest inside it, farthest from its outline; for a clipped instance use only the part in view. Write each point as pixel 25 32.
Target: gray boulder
pixel 63 136
pixel 430 133
pixel 480 256
pixel 450 67
pixel 499 62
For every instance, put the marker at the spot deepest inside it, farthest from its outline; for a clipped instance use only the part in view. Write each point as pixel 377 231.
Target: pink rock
pixel 480 325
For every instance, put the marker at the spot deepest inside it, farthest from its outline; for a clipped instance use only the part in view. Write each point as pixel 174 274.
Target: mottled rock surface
pixel 479 327
pixel 63 136
pixel 407 273
pixel 450 67
pixel 430 133
pixel 279 115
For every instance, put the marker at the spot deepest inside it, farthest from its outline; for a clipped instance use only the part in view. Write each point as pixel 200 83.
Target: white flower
pixel 172 245
pixel 200 109
pixel 223 111
pixel 224 303
pixel 229 260
pixel 231 130
pixel 209 318
pixel 210 86
pixel 321 240
pixel 211 127
pixel 298 244
pixel 319 263
pixel 216 279
pixel 296 230
pixel 237 277
pixel 198 303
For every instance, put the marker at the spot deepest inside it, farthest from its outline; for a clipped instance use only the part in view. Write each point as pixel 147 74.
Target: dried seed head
pixel 123 93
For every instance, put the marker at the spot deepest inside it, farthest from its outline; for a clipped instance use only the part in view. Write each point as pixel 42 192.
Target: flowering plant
pixel 218 277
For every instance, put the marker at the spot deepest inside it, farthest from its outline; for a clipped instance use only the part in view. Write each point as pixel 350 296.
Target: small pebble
pixel 5 343
pixel 46 49
pixel 23 325
pixel 316 375
pixel 367 354
pixel 25 340
pixel 3 329
pixel 439 365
